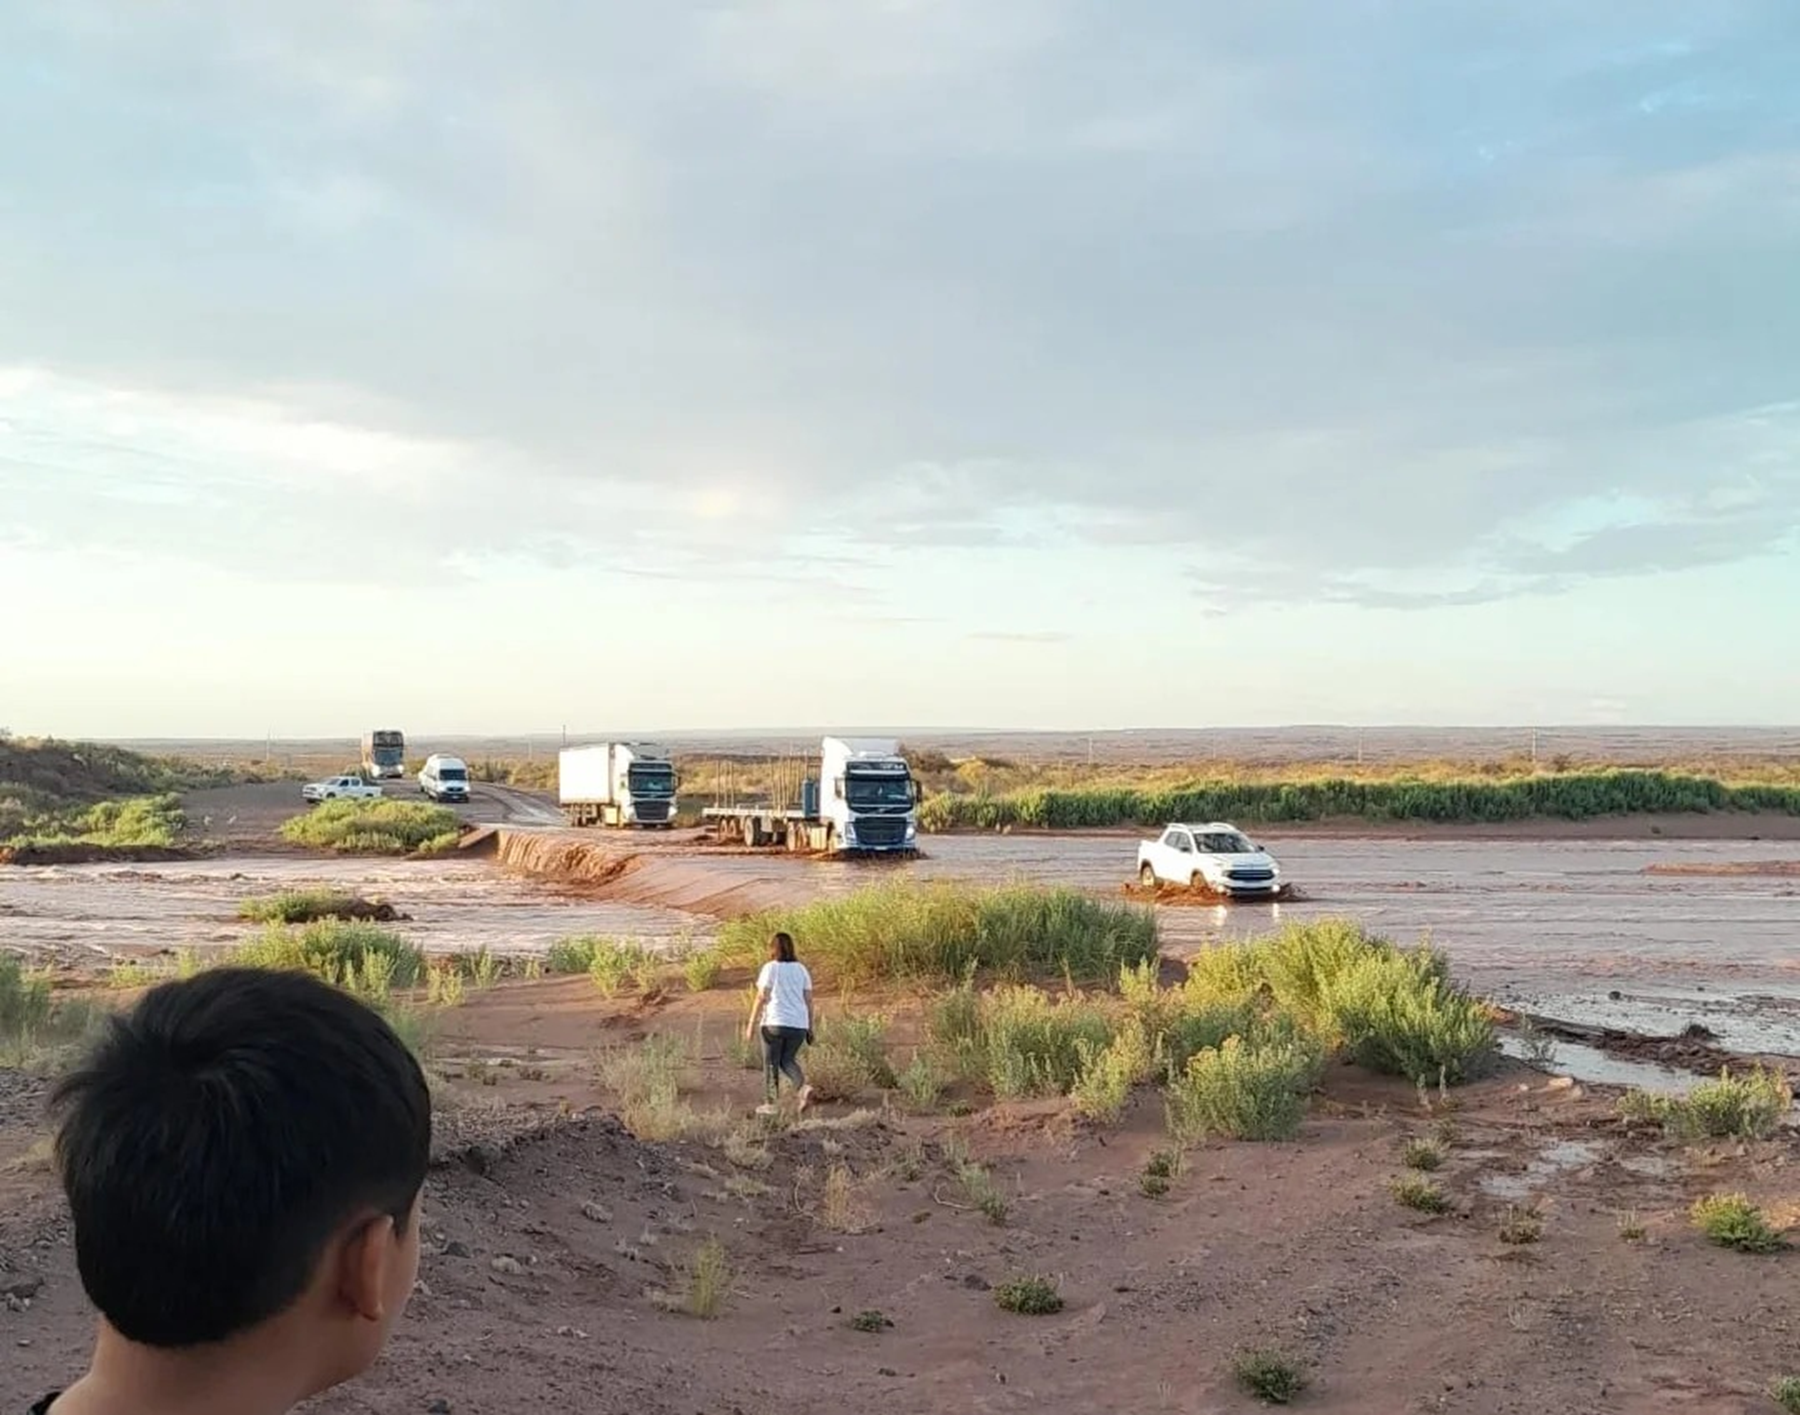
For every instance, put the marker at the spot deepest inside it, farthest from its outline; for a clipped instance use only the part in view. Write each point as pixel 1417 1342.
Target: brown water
pixel 1556 927
pixel 88 911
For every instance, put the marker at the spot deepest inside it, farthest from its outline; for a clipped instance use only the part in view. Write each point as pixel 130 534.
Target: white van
pixel 445 778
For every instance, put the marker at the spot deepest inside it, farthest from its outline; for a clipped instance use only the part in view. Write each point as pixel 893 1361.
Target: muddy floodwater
pixel 85 911
pixel 1579 930
pixel 1554 927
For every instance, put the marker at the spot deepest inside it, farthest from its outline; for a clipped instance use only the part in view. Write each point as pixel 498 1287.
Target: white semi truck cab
pixel 620 784
pixel 863 801
pixel 867 794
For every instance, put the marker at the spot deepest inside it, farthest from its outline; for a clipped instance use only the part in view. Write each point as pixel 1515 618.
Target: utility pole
pixel 1534 745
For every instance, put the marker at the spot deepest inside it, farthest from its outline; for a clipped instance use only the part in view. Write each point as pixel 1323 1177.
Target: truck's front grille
pixel 1250 876
pixel 653 812
pixel 881 832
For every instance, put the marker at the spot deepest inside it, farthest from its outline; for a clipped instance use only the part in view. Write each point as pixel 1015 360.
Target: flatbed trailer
pixel 862 801
pixel 768 826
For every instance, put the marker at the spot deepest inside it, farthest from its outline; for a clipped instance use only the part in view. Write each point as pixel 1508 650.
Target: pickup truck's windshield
pixel 1224 843
pixel 866 793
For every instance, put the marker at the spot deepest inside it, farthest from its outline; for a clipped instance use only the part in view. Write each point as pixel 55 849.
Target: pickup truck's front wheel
pixel 1147 876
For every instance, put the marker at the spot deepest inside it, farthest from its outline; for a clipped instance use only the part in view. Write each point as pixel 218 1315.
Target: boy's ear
pixel 365 1259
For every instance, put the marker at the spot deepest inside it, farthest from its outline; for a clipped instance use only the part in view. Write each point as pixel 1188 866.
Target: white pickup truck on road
pixel 341 788
pixel 1216 857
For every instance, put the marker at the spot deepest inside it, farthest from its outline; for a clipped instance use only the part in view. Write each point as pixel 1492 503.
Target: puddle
pixel 1596 1068
pixel 1560 1158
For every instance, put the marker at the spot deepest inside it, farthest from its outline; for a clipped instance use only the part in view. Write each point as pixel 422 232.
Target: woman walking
pixel 784 1006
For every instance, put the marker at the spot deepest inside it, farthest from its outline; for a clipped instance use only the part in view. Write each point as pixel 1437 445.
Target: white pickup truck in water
pixel 1217 857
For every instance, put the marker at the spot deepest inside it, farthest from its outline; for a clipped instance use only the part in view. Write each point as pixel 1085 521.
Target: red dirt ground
pixel 549 1228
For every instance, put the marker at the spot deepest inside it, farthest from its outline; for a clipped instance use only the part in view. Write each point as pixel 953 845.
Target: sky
pixel 1029 363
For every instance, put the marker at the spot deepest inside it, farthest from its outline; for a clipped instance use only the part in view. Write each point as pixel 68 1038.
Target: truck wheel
pixel 750 832
pixel 1147 876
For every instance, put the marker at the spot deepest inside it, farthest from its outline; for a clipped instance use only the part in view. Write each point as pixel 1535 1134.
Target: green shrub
pixel 1029 1297
pixel 954 1024
pixel 1269 1376
pixel 1397 1013
pixel 702 969
pixel 338 952
pixel 136 822
pixel 571 955
pixel 35 1027
pixel 1521 1226
pixel 645 1081
pixel 1107 1075
pixel 943 931
pixel 1732 1221
pixel 1426 1156
pixel 1244 1090
pixel 1033 1045
pixel 1418 1193
pixel 978 1184
pixel 921 1082
pixel 299 906
pixel 847 1058
pixel 482 967
pixel 1393 1010
pixel 1573 795
pixel 1786 1393
pixel 1195 1027
pixel 1750 1105
pixel 25 1002
pixel 613 963
pixel 373 827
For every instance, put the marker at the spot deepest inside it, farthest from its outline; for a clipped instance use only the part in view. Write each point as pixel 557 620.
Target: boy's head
pixel 245 1148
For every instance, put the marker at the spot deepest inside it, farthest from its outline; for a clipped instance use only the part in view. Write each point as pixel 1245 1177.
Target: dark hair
pixel 781 948
pixel 219 1136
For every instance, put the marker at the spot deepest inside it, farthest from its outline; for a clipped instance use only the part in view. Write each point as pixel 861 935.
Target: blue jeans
pixel 781 1057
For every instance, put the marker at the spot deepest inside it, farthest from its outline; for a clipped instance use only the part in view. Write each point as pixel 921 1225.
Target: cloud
pixel 909 275
pixel 1021 636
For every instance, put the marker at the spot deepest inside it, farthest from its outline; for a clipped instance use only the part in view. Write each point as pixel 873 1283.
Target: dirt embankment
pixel 98 854
pixel 659 878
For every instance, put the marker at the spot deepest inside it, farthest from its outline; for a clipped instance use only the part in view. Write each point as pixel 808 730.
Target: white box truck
pixel 620 784
pixel 864 801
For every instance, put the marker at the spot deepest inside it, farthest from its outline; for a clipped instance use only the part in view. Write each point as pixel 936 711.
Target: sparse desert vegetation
pixel 57 794
pixel 922 933
pixel 1746 1105
pixel 1566 795
pixel 1732 1221
pixel 382 827
pixel 1029 1297
pixel 1271 1376
pixel 306 906
pixel 1421 1195
pixel 36 1025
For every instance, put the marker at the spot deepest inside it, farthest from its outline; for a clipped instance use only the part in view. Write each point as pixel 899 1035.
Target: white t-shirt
pixel 787 985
